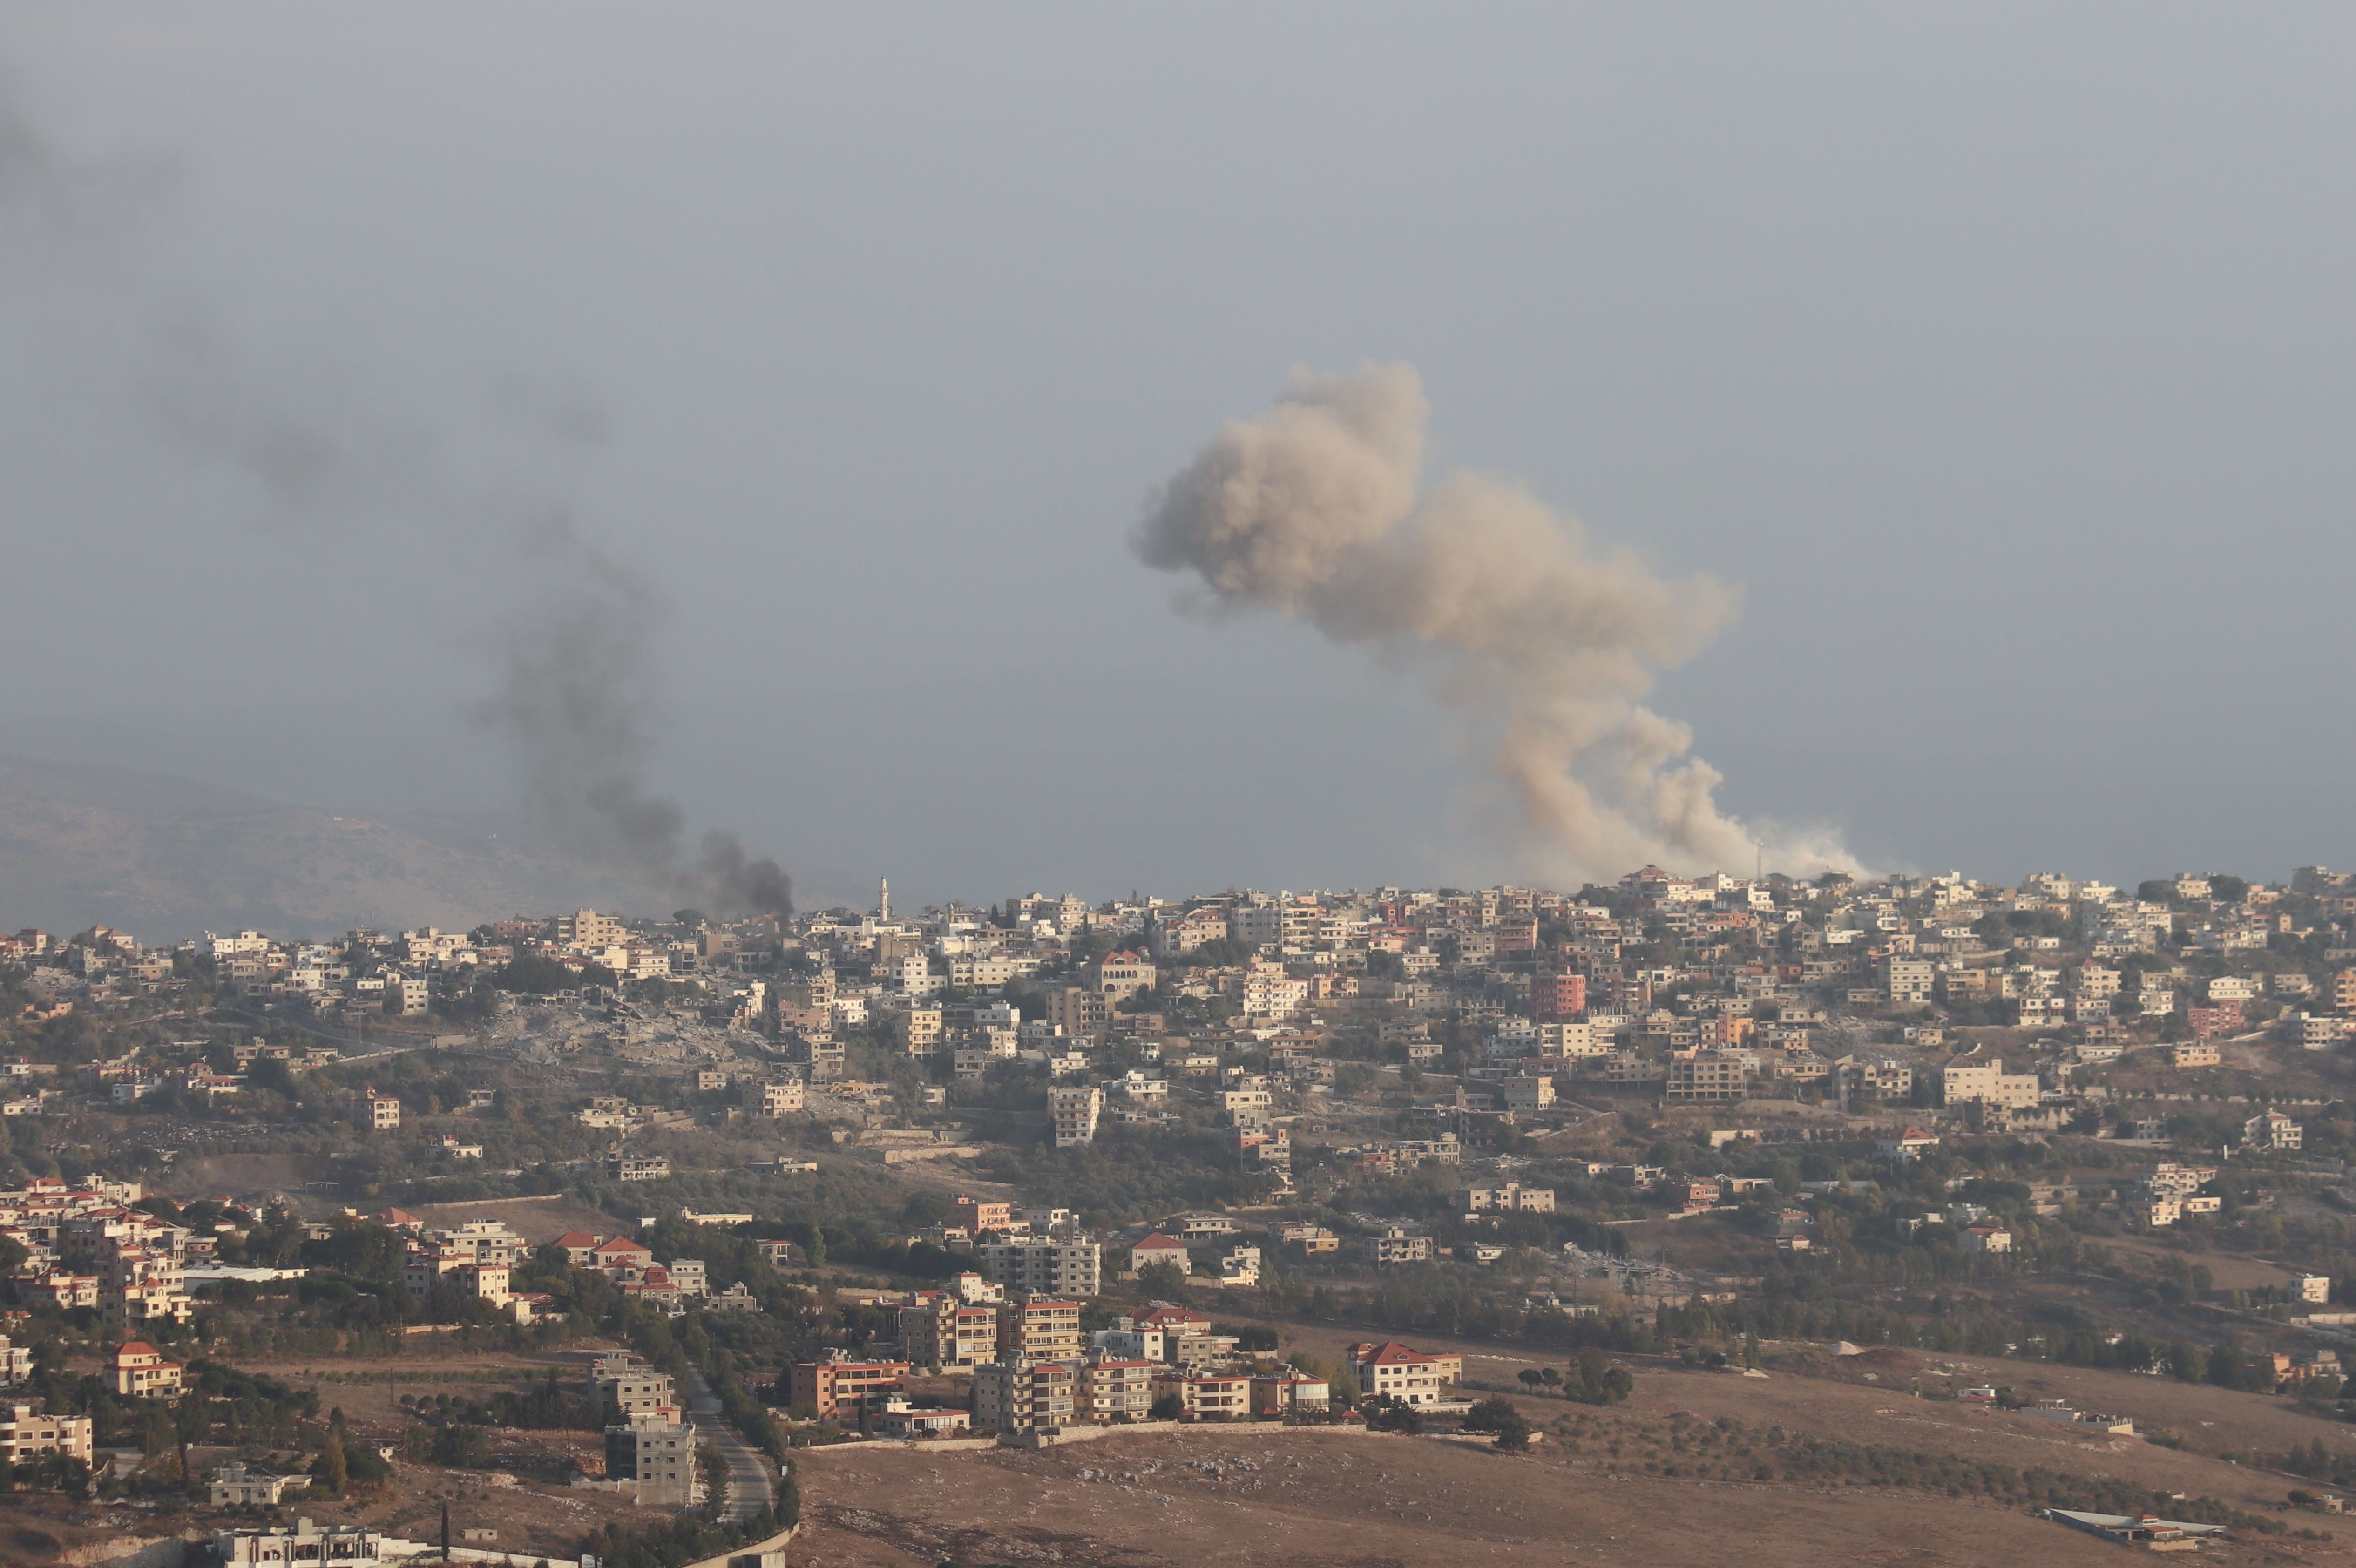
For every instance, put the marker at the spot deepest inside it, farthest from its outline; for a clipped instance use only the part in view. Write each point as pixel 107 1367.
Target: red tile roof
pixel 1390 1353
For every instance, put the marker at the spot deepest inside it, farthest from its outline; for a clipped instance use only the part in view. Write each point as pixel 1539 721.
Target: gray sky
pixel 2001 353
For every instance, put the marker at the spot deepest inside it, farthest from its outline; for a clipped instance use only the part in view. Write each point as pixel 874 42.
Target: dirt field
pixel 218 1175
pixel 530 1517
pixel 540 1512
pixel 1327 1499
pixel 536 1219
pixel 2209 1420
pixel 2229 1270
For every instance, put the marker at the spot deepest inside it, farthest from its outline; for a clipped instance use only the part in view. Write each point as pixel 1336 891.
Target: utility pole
pixel 446 1531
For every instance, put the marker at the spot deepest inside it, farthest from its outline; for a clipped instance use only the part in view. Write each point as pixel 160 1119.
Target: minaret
pixel 884 899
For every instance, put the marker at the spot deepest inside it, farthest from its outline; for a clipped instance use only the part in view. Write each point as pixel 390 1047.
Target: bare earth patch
pixel 1332 1499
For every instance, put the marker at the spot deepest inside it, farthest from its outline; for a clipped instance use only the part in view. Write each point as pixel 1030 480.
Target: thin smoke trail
pixel 576 695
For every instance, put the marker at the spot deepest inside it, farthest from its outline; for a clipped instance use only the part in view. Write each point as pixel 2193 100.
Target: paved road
pixel 749 1488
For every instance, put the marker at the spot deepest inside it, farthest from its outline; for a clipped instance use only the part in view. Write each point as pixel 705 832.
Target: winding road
pixel 749 1488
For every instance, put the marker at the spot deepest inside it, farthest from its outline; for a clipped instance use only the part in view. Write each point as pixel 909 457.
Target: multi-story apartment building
pixel 777 1099
pixel 1705 1076
pixel 1044 1265
pixel 1395 1245
pixel 1111 1389
pixel 1906 981
pixel 1570 1041
pixel 657 1450
pixel 1205 1395
pixel 1274 1394
pixel 1865 1079
pixel 1077 1010
pixel 138 1287
pixel 1251 1099
pixel 1075 1107
pixel 1964 1080
pixel 1255 922
pixel 1557 995
pixel 839 1388
pixel 1511 1197
pixel 918 1029
pixel 943 1331
pixel 587 931
pixel 1040 1329
pixel 1527 1093
pixel 626 1387
pixel 24 1435
pixel 1024 1396
pixel 979 1215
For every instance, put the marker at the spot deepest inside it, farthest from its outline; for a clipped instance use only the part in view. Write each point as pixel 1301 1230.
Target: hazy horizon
pixel 1995 356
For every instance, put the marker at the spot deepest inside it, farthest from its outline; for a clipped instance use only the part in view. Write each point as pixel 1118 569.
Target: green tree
pixel 458 1447
pixel 334 1474
pixel 788 1508
pixel 189 1422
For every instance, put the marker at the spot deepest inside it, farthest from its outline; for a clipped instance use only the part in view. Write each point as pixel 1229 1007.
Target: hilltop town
pixel 612 1235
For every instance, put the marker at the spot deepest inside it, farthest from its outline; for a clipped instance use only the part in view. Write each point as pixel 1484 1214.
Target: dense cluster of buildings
pixel 1013 1327
pixel 87 1247
pixel 1032 1368
pixel 1701 990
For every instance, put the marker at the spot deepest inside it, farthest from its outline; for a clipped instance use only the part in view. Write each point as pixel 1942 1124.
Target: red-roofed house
pixel 655 1287
pixel 1158 1248
pixel 1174 1321
pixel 1408 1375
pixel 578 1247
pixel 621 1255
pixel 142 1373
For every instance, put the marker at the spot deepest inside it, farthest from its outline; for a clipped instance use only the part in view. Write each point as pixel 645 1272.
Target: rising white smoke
pixel 1546 638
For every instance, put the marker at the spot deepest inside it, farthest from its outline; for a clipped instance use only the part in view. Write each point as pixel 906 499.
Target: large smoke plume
pixel 1548 639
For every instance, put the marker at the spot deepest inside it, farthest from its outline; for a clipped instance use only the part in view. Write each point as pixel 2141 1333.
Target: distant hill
pixel 166 858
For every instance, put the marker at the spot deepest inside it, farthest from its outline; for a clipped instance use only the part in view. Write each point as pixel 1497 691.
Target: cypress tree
pixel 333 1472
